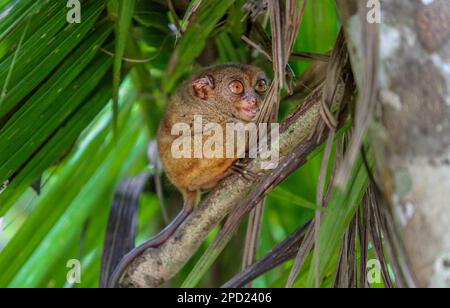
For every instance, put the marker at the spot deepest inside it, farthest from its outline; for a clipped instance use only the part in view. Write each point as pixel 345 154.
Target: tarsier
pixel 220 94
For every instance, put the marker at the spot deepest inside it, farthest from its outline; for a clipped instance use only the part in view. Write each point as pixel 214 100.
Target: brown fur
pixel 215 103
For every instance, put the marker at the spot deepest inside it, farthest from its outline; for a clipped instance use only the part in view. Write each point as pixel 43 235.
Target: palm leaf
pixel 126 11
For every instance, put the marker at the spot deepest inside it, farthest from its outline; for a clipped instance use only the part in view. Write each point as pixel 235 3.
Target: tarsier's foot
pixel 240 168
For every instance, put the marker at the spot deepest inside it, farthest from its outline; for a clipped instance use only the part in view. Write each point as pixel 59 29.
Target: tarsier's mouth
pixel 249 112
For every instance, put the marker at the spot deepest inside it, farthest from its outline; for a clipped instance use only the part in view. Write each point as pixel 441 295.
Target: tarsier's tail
pixel 158 240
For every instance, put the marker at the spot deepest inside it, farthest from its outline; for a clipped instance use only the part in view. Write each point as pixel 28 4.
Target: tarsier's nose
pixel 251 101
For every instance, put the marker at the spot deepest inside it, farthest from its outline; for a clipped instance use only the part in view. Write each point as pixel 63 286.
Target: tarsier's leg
pixel 213 182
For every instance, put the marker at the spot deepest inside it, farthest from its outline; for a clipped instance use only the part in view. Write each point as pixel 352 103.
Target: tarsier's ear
pixel 203 86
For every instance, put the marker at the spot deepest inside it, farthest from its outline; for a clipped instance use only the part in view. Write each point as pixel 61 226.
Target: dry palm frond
pixel 366 104
pixel 336 80
pixel 347 270
pixel 302 254
pixel 385 238
pixel 122 224
pixel 320 199
pixel 310 56
pixel 280 254
pixel 376 235
pixel 253 235
pixel 255 8
pixel 312 79
pixel 363 235
pixel 285 22
pixel 339 62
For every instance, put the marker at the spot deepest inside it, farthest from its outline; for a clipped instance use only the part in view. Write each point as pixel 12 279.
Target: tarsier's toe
pixel 245 174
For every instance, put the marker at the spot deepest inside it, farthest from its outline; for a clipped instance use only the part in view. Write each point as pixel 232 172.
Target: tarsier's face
pixel 239 89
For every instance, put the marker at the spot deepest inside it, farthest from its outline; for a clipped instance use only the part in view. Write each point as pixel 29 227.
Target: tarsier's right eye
pixel 236 87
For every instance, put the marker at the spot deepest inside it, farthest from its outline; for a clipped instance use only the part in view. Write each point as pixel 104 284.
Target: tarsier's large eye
pixel 261 86
pixel 236 87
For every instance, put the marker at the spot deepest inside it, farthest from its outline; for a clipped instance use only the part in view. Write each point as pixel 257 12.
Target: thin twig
pixel 129 60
